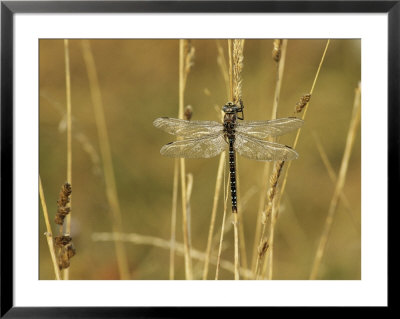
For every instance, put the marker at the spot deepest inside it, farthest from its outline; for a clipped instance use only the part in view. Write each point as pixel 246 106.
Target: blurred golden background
pixel 138 80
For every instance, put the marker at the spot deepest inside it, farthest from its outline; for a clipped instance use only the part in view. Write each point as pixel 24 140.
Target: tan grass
pixel 221 168
pixel 277 205
pixel 355 119
pixel 69 138
pixel 105 150
pixel 217 192
pixel 268 214
pixel 186 55
pixel 279 55
pixel 333 178
pixel 222 234
pixel 165 244
pixel 173 220
pixel 49 233
pixel 221 61
pixel 236 66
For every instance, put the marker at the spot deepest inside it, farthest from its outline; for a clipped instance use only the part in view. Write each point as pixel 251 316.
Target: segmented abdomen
pixel 232 171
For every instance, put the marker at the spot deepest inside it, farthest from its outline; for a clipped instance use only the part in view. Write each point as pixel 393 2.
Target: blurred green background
pixel 139 82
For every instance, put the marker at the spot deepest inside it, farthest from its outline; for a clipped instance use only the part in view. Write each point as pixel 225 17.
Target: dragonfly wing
pixel 263 129
pixel 256 149
pixel 203 147
pixel 186 128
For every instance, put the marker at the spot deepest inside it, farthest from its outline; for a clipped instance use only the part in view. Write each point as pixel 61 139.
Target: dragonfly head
pixel 231 108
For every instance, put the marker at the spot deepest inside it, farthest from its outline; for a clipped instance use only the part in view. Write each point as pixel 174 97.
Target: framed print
pixel 161 155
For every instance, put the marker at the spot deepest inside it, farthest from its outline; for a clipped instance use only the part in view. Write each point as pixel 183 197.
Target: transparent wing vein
pixel 189 129
pixel 263 129
pixel 260 150
pixel 203 147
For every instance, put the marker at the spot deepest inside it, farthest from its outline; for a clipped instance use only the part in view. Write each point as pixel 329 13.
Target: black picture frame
pixel 9 8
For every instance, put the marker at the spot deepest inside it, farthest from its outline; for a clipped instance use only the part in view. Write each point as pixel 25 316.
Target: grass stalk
pixel 138 239
pixel 235 78
pixel 242 243
pixel 217 192
pixel 173 220
pixel 183 72
pixel 272 192
pixel 69 138
pixel 278 84
pixel 339 184
pixel 277 203
pixel 305 112
pixel 189 188
pixel 230 59
pixel 333 178
pixel 279 77
pixel 236 238
pixel 49 233
pixel 105 149
pixel 221 239
pixel 223 66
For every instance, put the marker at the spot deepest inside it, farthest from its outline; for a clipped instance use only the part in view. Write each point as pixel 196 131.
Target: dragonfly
pixel 206 139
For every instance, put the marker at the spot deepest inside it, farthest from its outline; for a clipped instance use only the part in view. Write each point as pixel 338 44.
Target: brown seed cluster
pixel 66 249
pixel 61 241
pixel 272 190
pixel 303 102
pixel 66 253
pixel 64 199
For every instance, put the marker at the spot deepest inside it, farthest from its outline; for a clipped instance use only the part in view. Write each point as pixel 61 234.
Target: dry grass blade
pixel 339 184
pixel 266 215
pixel 333 177
pixel 49 233
pixel 69 135
pixel 165 244
pixel 236 237
pixel 189 188
pixel 218 183
pixel 223 67
pixel 186 55
pixel 279 77
pixel 279 55
pixel 305 112
pixel 173 220
pixel 236 67
pixel 111 187
pixel 222 233
pixel 224 70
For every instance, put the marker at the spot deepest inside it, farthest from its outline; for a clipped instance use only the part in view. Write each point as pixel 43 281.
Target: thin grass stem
pixel 339 184
pixel 221 239
pixel 333 178
pixel 236 66
pixel 236 238
pixel 138 239
pixel 105 149
pixel 69 138
pixel 258 237
pixel 173 220
pixel 185 226
pixel 217 192
pixel 49 233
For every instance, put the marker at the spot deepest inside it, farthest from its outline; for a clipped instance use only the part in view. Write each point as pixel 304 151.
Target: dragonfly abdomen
pixel 232 171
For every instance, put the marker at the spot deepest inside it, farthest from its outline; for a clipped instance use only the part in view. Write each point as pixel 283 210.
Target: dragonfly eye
pixel 229 108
